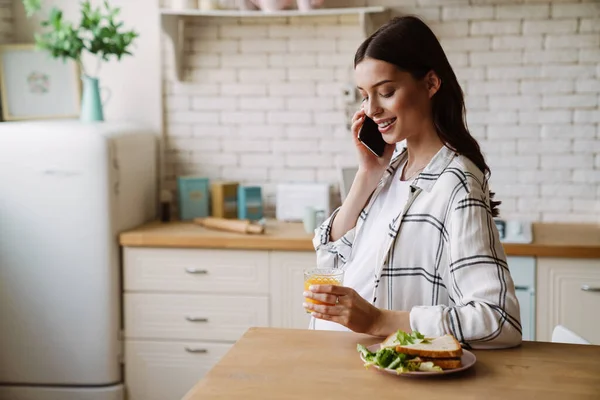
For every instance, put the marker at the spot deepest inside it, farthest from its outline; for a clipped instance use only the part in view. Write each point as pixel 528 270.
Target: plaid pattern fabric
pixel 442 259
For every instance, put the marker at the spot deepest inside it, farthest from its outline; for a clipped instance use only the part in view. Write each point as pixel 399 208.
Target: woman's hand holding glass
pixel 344 306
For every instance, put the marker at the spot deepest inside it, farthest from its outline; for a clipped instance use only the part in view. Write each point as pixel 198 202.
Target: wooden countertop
pixel 549 240
pixel 278 236
pixel 274 364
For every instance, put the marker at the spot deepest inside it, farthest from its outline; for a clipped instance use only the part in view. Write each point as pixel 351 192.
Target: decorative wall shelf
pixel 173 22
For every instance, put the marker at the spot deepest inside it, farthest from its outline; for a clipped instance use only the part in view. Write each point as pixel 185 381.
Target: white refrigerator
pixel 66 191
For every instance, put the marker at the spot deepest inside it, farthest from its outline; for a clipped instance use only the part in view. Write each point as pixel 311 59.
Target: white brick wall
pixel 262 100
pixel 466 12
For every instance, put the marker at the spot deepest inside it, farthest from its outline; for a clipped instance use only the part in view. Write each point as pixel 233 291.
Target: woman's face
pixel 398 103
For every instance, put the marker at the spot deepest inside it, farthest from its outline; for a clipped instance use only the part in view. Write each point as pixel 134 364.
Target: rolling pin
pixel 230 225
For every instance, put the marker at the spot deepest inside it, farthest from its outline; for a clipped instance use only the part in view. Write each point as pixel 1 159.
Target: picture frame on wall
pixel 34 85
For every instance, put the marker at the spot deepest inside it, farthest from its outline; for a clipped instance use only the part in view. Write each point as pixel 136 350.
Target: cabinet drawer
pixel 167 370
pixel 193 316
pixel 196 270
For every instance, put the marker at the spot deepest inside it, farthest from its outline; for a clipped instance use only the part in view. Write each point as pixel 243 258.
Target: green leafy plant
pixel 32 6
pixel 98 33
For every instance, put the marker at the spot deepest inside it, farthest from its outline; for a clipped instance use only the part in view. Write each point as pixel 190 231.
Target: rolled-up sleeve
pixel 486 312
pixel 332 254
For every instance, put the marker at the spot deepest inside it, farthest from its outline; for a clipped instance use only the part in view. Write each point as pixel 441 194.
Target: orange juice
pixel 322 276
pixel 320 280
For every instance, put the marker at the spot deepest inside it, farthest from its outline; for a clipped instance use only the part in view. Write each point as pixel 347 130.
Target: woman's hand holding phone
pixel 368 162
pixel 370 171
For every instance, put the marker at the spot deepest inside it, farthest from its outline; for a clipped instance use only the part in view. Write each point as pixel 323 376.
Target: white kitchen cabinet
pixel 207 298
pixel 167 370
pixel 568 293
pixel 183 309
pixel 287 285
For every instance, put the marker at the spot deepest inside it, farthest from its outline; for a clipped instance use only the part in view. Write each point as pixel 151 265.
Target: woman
pixel 415 234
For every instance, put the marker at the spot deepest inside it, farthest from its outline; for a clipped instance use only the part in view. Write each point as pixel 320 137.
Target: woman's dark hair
pixel 409 44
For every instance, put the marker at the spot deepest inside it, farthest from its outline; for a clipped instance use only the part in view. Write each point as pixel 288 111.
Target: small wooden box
pixel 193 197
pixel 224 199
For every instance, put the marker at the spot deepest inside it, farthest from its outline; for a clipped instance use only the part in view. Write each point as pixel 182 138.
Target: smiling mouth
pixel 383 126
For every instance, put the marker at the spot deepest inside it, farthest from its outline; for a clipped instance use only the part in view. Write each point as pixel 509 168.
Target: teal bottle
pixel 91 104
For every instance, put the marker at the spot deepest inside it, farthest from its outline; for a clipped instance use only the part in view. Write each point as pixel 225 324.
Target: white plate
pixel 467 360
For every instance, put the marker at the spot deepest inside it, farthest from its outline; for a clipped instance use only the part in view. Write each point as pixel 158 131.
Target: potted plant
pixel 98 33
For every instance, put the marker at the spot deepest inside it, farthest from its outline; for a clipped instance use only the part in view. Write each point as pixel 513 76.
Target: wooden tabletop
pixel 286 364
pixel 549 240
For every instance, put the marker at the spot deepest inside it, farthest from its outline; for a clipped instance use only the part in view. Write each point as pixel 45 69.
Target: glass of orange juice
pixel 322 276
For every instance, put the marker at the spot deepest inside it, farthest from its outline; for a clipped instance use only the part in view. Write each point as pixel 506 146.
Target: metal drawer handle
pixel 196 319
pixel 588 288
pixel 191 270
pixel 519 287
pixel 195 350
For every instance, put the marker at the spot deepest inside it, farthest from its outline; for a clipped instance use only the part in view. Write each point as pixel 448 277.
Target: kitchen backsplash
pixel 6 21
pixel 262 98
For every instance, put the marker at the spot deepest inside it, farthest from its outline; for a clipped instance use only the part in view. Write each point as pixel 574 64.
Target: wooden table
pixel 287 364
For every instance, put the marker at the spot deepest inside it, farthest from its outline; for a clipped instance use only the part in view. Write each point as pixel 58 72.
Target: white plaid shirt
pixel 443 260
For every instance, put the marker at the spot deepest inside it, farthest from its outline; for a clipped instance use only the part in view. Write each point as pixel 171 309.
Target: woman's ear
pixel 433 83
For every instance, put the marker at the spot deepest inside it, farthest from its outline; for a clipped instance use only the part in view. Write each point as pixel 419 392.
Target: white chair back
pixel 562 334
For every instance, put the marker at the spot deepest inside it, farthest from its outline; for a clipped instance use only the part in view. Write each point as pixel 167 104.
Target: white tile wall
pixel 262 100
pixel 6 21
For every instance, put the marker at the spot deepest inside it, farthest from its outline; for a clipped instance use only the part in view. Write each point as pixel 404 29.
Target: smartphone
pixel 371 138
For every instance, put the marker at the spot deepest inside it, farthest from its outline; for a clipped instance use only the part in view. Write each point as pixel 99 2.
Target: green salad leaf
pixel 367 355
pixel 414 337
pixel 384 357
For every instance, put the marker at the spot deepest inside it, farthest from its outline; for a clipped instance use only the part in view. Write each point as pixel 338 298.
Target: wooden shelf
pixel 173 22
pixel 281 13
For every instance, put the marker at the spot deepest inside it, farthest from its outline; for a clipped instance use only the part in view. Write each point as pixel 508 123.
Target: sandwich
pixel 409 352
